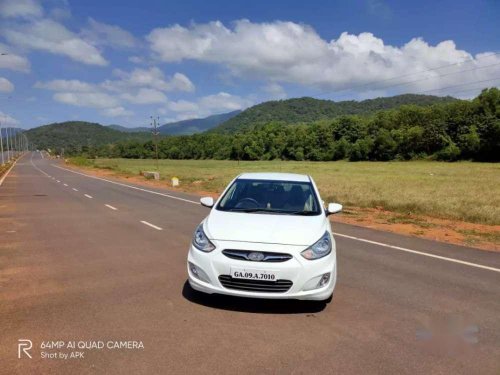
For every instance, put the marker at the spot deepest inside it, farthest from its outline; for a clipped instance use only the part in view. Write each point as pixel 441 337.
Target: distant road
pixel 84 258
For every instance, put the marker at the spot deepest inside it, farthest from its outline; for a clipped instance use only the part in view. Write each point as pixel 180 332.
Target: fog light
pixel 317 282
pixel 193 269
pixel 198 273
pixel 324 280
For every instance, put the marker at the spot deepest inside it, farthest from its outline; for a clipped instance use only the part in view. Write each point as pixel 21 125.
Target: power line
pixel 462 84
pixel 410 74
pixel 439 76
pixel 474 89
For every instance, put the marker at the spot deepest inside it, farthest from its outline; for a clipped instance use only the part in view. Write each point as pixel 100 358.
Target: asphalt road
pixel 78 263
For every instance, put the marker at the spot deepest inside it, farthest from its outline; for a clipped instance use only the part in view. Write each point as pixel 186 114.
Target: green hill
pixel 76 135
pixel 302 110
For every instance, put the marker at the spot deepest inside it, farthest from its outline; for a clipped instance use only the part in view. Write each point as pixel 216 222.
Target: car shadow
pixel 251 305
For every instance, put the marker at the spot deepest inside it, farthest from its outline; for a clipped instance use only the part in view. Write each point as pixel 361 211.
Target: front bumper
pixel 298 270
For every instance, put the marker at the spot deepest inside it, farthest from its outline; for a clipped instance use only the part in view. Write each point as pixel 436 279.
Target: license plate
pixel 251 274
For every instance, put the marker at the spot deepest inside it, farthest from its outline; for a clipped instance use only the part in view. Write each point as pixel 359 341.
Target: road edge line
pixel 463 262
pixel 7 173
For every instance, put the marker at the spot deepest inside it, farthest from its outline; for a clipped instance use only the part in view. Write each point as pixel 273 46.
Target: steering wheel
pixel 245 202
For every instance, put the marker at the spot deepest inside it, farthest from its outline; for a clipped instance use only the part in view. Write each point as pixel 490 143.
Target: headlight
pixel 321 248
pixel 201 241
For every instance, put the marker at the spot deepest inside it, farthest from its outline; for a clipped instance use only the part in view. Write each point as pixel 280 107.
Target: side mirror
pixel 333 208
pixel 207 201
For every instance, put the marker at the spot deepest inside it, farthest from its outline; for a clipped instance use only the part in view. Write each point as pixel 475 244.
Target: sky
pixel 120 62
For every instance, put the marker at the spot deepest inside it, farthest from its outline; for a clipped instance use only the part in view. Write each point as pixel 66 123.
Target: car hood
pixel 265 228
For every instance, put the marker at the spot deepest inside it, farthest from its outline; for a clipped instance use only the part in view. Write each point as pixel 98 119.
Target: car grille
pixel 278 286
pixel 268 256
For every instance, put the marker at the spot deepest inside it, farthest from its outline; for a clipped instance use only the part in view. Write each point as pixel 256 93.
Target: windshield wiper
pixel 269 210
pixel 303 213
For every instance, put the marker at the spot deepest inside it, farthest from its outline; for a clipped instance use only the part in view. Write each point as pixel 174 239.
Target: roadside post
pixel 154 123
pixel 8 144
pixel 1 143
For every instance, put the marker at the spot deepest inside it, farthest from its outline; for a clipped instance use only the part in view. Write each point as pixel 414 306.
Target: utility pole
pixel 16 146
pixel 8 144
pixel 154 123
pixel 1 143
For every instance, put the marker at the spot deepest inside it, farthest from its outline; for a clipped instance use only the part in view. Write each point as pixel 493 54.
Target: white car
pixel 267 236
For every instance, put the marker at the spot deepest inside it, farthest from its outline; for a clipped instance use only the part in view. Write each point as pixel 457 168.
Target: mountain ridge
pixel 307 109
pixel 183 127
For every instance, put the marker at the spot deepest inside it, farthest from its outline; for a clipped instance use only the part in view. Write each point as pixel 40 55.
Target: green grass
pixel 464 190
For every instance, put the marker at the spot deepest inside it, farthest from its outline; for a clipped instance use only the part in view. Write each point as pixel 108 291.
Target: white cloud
pixel 182 106
pixel 139 87
pixel 180 82
pixel 117 112
pixel 6 85
pixel 145 96
pixel 136 59
pixel 51 36
pixel 152 77
pixel 61 10
pixel 73 85
pixel 207 105
pixel 275 91
pixel 287 52
pixel 223 102
pixel 12 61
pixel 7 120
pixel 379 8
pixel 20 8
pixel 98 33
pixel 87 99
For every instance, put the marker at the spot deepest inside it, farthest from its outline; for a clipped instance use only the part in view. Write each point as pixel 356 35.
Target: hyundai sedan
pixel 266 236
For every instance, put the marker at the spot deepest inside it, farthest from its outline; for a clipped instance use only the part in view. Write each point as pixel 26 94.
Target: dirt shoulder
pixel 481 236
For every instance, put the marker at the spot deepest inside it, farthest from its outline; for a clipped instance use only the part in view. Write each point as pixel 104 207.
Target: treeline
pixel 74 137
pixel 309 110
pixel 447 131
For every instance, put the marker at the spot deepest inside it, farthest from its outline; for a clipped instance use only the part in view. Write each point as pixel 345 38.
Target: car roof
pixel 274 176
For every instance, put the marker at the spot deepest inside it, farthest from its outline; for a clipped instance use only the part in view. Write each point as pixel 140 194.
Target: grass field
pixel 462 191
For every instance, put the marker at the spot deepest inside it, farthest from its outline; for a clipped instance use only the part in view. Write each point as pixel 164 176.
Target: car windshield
pixel 265 196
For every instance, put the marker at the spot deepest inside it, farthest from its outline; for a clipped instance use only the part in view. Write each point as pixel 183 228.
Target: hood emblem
pixel 256 256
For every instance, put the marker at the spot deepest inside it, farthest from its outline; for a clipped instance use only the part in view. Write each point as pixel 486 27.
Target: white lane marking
pixel 58 181
pixel 65 184
pixel 88 196
pixel 110 206
pixel 38 169
pixel 338 234
pixel 129 186
pixel 420 253
pixel 7 173
pixel 151 225
pixel 75 189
